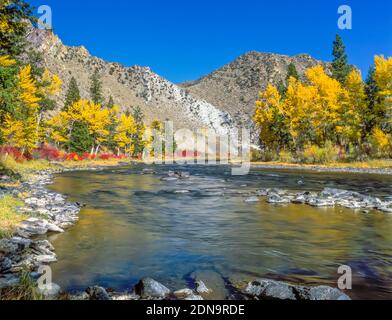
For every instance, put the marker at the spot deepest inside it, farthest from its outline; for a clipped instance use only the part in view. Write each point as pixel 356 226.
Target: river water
pixel 137 225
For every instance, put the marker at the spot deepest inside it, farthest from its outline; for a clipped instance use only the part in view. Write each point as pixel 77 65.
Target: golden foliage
pixel 6 61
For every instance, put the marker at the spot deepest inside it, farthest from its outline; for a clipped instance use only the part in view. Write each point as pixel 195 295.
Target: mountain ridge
pixel 220 100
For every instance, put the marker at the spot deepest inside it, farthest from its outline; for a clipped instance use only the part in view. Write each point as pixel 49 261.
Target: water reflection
pixel 137 225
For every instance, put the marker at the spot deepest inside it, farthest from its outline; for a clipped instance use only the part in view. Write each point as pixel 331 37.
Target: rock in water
pixel 51 291
pixel 269 289
pixel 201 287
pixel 187 294
pixel 149 288
pixel 264 289
pixel 183 293
pixel 97 293
pixel 252 200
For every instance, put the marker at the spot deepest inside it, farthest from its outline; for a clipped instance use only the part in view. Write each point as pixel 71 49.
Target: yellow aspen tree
pixel 329 106
pixel 21 130
pixel 270 118
pixel 383 78
pixel 6 61
pixel 124 131
pixel 301 106
pixel 354 108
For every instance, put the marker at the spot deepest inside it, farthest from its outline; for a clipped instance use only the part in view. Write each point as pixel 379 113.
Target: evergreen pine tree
pixel 72 95
pixel 80 140
pixel 111 143
pixel 14 15
pixel 374 116
pixel 340 67
pixel 292 72
pixel 110 102
pixel 96 89
pixel 282 88
pixel 137 139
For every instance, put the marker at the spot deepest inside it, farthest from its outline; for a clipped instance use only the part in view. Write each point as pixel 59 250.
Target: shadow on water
pixel 138 225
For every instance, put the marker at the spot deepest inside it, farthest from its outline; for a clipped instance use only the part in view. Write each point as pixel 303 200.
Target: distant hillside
pixel 234 88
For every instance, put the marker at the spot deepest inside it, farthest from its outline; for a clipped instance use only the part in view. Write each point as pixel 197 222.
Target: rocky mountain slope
pixel 234 88
pixel 221 100
pixel 130 87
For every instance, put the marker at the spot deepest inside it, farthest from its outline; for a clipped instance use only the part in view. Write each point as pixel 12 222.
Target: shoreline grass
pixel 371 164
pixel 9 217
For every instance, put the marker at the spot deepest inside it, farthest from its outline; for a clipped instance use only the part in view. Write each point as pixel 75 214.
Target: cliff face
pixel 234 88
pixel 130 86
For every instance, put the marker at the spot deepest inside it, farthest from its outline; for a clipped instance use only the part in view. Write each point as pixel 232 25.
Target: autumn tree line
pixel 329 114
pixel 28 92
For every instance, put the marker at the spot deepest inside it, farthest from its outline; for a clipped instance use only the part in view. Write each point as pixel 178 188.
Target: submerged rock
pixel 149 288
pixel 201 287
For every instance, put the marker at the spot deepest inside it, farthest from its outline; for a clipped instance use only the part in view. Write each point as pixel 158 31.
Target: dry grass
pixel 9 217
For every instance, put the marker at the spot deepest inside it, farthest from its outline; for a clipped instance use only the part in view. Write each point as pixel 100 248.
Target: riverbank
pixel 369 167
pixel 29 211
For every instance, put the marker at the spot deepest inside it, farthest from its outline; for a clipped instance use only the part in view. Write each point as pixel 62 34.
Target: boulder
pixel 97 293
pixel 5 264
pixel 322 293
pixel 8 247
pixel 201 287
pixel 270 290
pixel 50 291
pixel 264 289
pixel 149 288
pixel 8 280
pixel 183 293
pixel 45 259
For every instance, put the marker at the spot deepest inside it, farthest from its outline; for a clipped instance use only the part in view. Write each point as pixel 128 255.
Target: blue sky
pixel 183 40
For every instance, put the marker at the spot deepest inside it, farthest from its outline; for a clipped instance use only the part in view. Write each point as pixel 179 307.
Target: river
pixel 137 225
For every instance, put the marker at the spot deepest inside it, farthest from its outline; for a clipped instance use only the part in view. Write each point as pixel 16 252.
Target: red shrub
pixel 48 153
pixel 12 152
pixel 105 156
pixel 87 156
pixel 73 156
